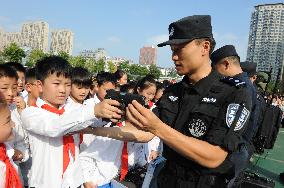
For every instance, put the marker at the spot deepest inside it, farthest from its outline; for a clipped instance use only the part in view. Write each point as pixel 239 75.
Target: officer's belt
pixel 191 175
pixel 182 172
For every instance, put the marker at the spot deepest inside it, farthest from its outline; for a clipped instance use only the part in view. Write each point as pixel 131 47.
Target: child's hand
pixel 89 185
pixel 153 155
pixel 20 103
pixel 108 109
pixel 18 155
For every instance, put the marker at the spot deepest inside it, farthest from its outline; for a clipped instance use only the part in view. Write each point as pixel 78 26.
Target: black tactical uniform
pixel 204 111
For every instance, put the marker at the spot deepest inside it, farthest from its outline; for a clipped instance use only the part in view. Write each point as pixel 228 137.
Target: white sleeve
pixel 20 141
pixel 41 122
pixel 2 174
pixel 154 144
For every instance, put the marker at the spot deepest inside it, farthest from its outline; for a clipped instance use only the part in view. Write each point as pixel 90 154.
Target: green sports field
pixel 271 163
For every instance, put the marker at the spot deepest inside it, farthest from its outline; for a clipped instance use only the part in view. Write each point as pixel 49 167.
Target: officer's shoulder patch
pixel 231 114
pixel 233 81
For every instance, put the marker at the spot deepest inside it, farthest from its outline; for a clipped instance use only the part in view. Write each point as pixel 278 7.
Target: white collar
pixel 40 102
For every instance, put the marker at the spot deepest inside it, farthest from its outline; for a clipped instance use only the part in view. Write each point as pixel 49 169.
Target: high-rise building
pixel 266 38
pixel 100 53
pixel 7 38
pixel 1 39
pixel 61 41
pixel 148 56
pixel 88 54
pixel 35 35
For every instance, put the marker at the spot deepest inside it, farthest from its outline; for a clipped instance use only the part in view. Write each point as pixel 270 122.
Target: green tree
pixel 137 71
pixel 100 66
pixel 63 55
pixel 173 73
pixel 35 56
pixel 2 60
pixel 124 66
pixel 90 64
pixel 76 61
pixel 13 53
pixel 155 71
pixel 111 67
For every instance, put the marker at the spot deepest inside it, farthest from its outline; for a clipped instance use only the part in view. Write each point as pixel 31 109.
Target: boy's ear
pixel 39 85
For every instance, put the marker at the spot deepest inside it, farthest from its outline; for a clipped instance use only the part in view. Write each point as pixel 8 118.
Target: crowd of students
pixel 43 110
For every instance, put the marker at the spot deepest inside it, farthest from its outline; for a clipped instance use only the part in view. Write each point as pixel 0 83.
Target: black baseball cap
pixel 249 68
pixel 188 29
pixel 224 51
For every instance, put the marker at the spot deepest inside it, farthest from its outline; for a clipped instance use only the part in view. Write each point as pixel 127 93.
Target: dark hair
pixel 211 40
pixel 52 65
pixel 81 77
pixel 17 66
pixel 118 74
pixel 126 87
pixel 159 85
pixel 7 71
pixel 104 77
pixel 145 82
pixel 30 75
pixel 166 83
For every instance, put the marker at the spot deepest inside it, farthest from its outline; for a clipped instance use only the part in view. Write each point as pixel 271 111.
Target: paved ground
pixel 271 163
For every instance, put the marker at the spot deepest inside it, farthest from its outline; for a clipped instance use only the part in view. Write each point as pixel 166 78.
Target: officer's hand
pixel 108 109
pixel 88 130
pixel 142 117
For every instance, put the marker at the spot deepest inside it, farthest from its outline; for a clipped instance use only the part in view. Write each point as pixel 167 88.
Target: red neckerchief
pixel 68 141
pixel 12 177
pixel 124 158
pixel 150 104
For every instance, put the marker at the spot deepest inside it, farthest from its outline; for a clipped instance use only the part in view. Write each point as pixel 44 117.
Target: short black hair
pixel 7 71
pixel 103 77
pixel 17 66
pixel 81 77
pixel 52 65
pixel 159 85
pixel 30 75
pixel 126 87
pixel 118 74
pixel 145 82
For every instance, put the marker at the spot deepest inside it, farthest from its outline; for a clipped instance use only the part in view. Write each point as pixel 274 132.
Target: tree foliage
pixel 155 71
pixel 34 56
pixel 111 67
pixel 13 53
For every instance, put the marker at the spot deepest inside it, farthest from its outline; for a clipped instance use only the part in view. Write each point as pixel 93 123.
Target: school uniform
pixel 98 163
pixel 51 151
pixel 88 138
pixel 8 169
pixel 20 141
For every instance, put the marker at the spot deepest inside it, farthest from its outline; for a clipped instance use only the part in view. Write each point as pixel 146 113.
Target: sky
pixel 122 27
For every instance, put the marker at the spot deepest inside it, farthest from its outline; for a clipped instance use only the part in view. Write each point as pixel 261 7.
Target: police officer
pixel 200 119
pixel 196 114
pixel 250 69
pixel 227 62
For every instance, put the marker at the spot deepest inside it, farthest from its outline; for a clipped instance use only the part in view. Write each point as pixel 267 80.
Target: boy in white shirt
pixel 50 120
pixel 105 81
pixel 9 78
pixel 8 171
pixel 81 82
pixel 33 94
